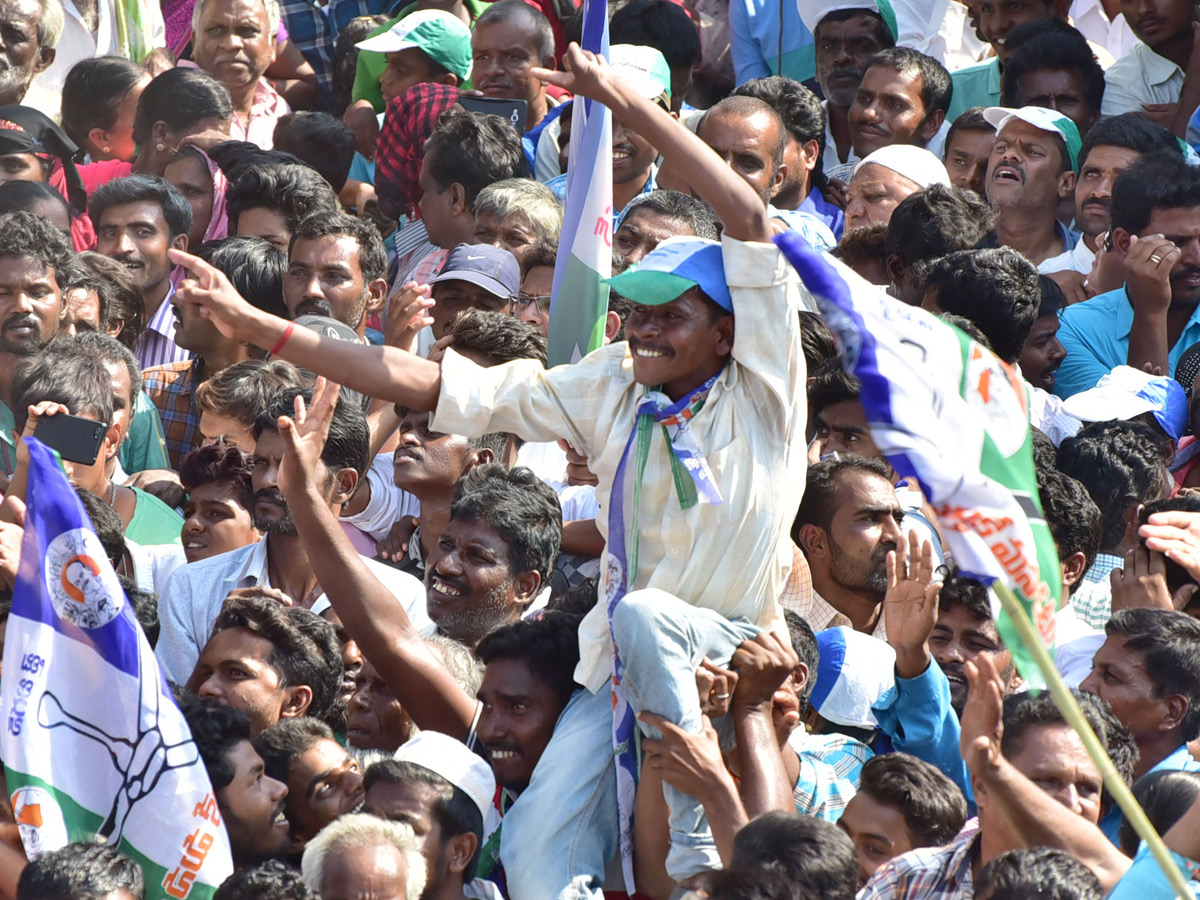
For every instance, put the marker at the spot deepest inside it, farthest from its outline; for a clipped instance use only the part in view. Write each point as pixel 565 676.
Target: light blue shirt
pixel 197 591
pixel 1095 335
pixel 1181 760
pixel 770 39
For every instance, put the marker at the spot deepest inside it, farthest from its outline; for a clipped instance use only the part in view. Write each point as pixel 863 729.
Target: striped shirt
pixel 156 345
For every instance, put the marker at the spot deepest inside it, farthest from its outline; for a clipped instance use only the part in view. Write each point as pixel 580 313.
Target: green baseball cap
pixel 676 265
pixel 645 68
pixel 1045 119
pixel 441 36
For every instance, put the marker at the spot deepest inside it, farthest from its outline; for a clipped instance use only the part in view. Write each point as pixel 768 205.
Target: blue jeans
pixel 563 829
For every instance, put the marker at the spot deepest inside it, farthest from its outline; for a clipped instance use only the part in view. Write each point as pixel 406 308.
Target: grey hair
pixel 359 830
pixel 460 662
pixel 50 23
pixel 525 197
pixel 274 14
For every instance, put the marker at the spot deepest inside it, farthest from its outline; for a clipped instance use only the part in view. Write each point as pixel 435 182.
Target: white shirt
pixel 196 593
pixel 1114 36
pixel 388 503
pixel 1140 76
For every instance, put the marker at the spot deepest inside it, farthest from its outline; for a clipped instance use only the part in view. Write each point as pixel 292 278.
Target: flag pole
pixel 1069 707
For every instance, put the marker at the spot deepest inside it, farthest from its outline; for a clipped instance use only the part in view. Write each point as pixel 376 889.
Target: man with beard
pixel 337 267
pixel 848 522
pixel 32 253
pixel 31 32
pixel 1152 319
pixel 235 43
pixel 196 592
pixel 137 220
pixel 1031 170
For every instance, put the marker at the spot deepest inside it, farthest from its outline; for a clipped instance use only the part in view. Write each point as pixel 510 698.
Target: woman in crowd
pixel 99 102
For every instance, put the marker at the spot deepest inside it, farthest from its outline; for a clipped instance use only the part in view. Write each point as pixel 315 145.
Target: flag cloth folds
pixel 94 746
pixel 579 298
pixel 945 411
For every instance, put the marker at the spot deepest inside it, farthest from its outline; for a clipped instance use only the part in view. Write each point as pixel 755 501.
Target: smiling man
pixel 337 268
pixel 137 219
pixel 1031 170
pixel 195 594
pixel 902 99
pixel 510 38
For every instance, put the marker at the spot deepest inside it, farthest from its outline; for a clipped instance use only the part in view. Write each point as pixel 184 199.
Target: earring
pixel 160 146
pixel 107 149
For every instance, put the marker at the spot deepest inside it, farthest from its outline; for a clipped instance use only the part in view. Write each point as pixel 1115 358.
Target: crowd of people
pixel 447 622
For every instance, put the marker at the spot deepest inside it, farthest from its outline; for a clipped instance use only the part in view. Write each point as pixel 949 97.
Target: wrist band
pixel 287 333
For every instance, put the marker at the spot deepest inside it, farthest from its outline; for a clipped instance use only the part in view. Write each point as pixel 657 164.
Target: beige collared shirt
pixel 1140 76
pixel 734 557
pixel 821 614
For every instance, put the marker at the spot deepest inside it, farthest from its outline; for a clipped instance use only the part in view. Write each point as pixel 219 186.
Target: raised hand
pixel 1148 266
pixel 983 717
pixel 910 606
pixel 586 75
pixel 1142 583
pixel 408 313
pixel 1176 535
pixel 304 437
pixel 689 762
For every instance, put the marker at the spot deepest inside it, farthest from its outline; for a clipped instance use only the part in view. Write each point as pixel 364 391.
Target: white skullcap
pixel 452 760
pixel 916 164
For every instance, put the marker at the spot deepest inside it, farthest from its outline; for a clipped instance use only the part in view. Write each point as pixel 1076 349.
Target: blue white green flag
pixel 945 411
pixel 579 301
pixel 93 744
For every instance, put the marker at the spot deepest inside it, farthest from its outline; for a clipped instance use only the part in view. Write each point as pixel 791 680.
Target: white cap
pixel 451 759
pixel 645 68
pixel 855 671
pixel 916 164
pixel 1125 393
pixel 813 11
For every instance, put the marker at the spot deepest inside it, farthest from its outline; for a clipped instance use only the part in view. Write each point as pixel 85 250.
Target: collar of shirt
pixel 163 321
pixel 1158 69
pixel 821 610
pixel 1122 321
pixel 254 570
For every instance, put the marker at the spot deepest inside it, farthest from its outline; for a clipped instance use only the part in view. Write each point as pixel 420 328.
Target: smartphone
pixel 513 110
pixel 75 438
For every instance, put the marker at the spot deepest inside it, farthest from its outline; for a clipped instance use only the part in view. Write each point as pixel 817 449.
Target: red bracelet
pixel 287 333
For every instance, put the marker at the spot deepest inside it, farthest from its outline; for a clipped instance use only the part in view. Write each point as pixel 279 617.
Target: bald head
pixel 750 136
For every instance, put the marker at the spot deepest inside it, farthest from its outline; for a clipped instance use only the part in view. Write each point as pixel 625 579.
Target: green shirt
pixel 371 63
pixel 153 522
pixel 977 85
pixel 144 447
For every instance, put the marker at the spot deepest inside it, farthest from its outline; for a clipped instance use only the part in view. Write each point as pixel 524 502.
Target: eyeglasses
pixel 522 300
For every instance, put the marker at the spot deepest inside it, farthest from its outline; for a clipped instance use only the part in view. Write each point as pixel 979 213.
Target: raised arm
pixel 736 204
pixel 367 609
pixel 385 373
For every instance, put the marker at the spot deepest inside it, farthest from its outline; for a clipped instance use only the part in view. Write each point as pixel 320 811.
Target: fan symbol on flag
pixel 141 762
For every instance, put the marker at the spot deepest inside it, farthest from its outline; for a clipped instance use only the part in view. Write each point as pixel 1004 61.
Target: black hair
pixel 935 222
pixel 287 740
pixel 798 107
pixel 549 646
pixel 17 196
pixel 253 266
pixel 345 58
pixel 970 120
pixel 860 245
pixel 120 299
pixel 1071 515
pixel 473 149
pixel 143 189
pixel 804 642
pixel 746 106
pixel 217 730
pixel 145 608
pixel 1159 180
pixel 1037 872
pixel 1177 576
pixel 1129 131
pixel 236 158
pixel 1169 643
pixel 453 808
pixel 180 98
pixel 294 191
pixel 665 26
pixel 1164 795
pixel 750 884
pixel 79 381
pixel 24 234
pixel 675 205
pixel 107 524
pixel 519 507
pixel 349 441
pixel 108 350
pixel 1053 298
pixel 323 141
pixel 821 488
pixel 372 257
pixel 936 86
pixel 219 463
pixel 809 852
pixel 933 807
pixel 271 879
pixel 883 34
pixel 996 289
pixel 93 92
pixel 1045 454
pixel 304 651
pixel 967 327
pixel 503 10
pixel 244 390
pixel 831 384
pixel 1120 464
pixel 496 336
pixel 81 872
pixel 816 340
pixel 959 590
pixel 1049 44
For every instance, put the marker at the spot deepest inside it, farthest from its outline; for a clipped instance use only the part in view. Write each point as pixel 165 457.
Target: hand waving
pixel 304 437
pixel 982 718
pixel 910 606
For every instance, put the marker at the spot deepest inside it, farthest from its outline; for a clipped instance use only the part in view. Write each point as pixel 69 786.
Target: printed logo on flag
pixel 79 590
pixel 992 390
pixel 40 821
